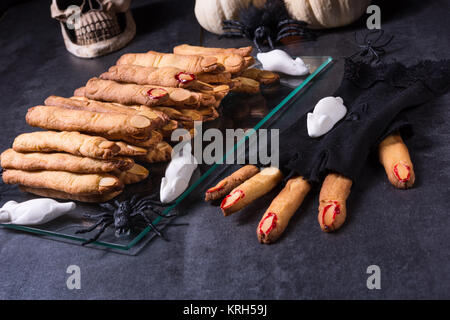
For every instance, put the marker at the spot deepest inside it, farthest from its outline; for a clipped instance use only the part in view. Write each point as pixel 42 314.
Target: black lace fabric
pixel 378 98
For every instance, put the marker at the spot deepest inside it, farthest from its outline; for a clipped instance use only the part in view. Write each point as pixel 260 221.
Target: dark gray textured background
pixel 404 232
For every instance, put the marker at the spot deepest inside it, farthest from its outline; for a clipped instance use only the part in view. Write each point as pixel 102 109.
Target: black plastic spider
pixel 125 216
pixel 370 46
pixel 270 23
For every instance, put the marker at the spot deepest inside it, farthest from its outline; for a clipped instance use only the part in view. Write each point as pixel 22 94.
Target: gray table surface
pixel 405 233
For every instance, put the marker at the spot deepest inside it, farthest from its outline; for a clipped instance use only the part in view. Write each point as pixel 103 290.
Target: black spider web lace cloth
pixel 378 99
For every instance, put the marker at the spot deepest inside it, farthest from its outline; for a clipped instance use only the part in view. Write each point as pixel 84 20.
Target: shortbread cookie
pixel 154 139
pixel 224 186
pixel 277 216
pixel 173 113
pixel 128 150
pixel 70 142
pixel 133 175
pixel 131 94
pixel 262 76
pixel 394 156
pixel 165 76
pixel 252 189
pixel 179 97
pixel 68 182
pixel 144 109
pixel 83 103
pixel 249 61
pixel 233 63
pixel 332 201
pixel 194 115
pixel 220 91
pixel 48 193
pixel 216 78
pixel 187 49
pixel 114 126
pixel 80 92
pixel 161 153
pixel 167 130
pixel 188 63
pixel 34 161
pixel 245 85
pixel 124 93
pixel 208 113
pixel 234 60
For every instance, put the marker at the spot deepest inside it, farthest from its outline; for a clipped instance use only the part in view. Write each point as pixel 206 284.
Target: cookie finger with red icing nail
pixel 128 94
pixel 394 156
pixel 250 190
pixel 191 64
pixel 166 76
pixel 229 183
pixel 333 195
pixel 282 208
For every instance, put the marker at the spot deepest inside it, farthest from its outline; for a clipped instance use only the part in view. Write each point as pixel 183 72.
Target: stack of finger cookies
pixel 238 74
pixel 127 114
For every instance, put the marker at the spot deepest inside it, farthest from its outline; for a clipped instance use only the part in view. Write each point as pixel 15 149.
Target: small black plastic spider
pixel 369 45
pixel 125 216
pixel 270 23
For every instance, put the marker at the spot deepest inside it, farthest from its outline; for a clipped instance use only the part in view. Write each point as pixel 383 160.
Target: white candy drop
pixel 178 174
pixel 327 112
pixel 32 212
pixel 279 61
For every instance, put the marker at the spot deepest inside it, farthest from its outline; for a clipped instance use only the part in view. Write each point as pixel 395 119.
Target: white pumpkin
pixel 322 14
pixel 211 13
pixel 319 14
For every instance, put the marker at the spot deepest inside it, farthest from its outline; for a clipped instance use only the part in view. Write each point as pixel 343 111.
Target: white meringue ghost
pixel 32 212
pixel 178 174
pixel 327 112
pixel 279 61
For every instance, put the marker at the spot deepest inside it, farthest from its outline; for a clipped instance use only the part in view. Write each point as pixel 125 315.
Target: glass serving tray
pixel 236 111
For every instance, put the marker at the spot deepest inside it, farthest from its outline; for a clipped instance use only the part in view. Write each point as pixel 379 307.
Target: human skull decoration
pixel 93 28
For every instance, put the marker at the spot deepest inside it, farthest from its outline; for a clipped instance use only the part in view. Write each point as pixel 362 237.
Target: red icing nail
pixel 272 225
pixel 184 77
pixel 398 176
pixel 337 210
pixel 155 94
pixel 222 205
